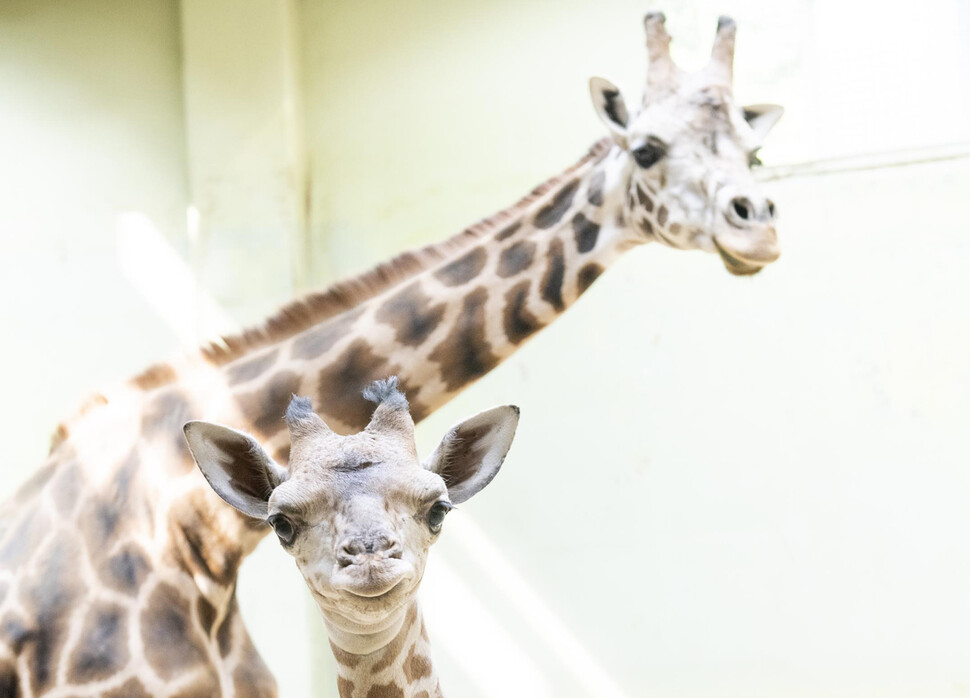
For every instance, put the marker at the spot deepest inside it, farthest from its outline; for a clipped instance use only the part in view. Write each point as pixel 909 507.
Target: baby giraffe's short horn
pixel 391 413
pixel 722 55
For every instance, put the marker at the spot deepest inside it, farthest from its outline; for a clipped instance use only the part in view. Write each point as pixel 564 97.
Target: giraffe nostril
pixel 771 209
pixel 742 207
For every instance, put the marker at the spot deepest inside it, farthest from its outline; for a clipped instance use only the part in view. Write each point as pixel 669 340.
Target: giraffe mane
pixel 315 307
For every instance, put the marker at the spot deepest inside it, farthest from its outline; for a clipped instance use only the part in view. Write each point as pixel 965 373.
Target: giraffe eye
pixel 283 527
pixel 650 153
pixel 436 515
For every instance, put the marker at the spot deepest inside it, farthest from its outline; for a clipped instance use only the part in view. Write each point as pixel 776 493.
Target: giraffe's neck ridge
pixel 394 661
pixel 447 326
pixel 317 307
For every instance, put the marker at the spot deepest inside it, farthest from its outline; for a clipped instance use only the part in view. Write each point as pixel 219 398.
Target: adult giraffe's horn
pixel 661 69
pixel 721 65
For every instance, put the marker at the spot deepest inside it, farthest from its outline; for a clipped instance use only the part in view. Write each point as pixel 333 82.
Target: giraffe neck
pixel 441 329
pixel 386 663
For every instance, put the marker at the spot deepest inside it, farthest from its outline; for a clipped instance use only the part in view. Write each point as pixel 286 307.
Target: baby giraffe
pixel 359 513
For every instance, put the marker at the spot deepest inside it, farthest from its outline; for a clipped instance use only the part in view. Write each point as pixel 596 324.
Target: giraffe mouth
pixel 373 582
pixel 735 265
pixel 372 594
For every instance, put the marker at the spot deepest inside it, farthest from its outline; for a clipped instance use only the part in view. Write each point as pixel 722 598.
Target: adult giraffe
pixel 118 563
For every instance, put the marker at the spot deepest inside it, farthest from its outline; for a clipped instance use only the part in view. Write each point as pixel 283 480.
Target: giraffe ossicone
pixel 358 513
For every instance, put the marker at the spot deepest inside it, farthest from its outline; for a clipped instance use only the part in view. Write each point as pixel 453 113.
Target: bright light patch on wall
pixel 460 625
pixel 528 606
pixel 166 282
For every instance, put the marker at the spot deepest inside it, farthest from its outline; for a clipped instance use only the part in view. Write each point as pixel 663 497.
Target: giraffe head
pixel 688 153
pixel 358 513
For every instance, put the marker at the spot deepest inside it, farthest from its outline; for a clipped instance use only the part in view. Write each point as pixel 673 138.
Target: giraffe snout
pixel 370 547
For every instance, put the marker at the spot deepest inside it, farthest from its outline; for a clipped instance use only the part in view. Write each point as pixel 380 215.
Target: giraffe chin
pixel 737 267
pixel 374 587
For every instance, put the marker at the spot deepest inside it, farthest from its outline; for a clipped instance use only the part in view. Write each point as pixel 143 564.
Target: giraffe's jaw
pixel 737 265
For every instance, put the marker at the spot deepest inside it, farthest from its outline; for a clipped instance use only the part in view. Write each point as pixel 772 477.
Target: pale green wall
pixel 720 487
pixel 91 126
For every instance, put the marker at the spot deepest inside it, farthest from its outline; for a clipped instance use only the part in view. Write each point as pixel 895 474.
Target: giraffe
pixel 118 563
pixel 358 514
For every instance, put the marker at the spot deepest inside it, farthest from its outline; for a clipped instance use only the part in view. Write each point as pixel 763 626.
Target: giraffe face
pixel 686 157
pixel 359 518
pixel 357 513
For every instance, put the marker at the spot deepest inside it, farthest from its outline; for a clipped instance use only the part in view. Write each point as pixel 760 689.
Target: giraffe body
pixel 119 494
pixel 358 514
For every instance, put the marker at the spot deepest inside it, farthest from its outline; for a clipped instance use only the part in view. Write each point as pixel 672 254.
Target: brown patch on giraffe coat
pixel 102 513
pixel 518 322
pixel 102 649
pixel 662 216
pixel 410 313
pixel 465 354
pixel 645 200
pixel 553 212
pixel 9 683
pixel 171 645
pixel 416 666
pixel 347 659
pixel 246 369
pixel 163 417
pixel 318 340
pixel 281 454
pixel 516 258
pixel 14 633
pixel 552 279
pixel 463 269
pixel 645 226
pixel 132 688
pixel 418 409
pixel 387 690
pixel 206 614
pixel 340 384
pixel 345 687
pixel 125 570
pixel 586 232
pixel 49 595
pixel 595 193
pixel 587 275
pixel 508 231
pixel 393 649
pixel 264 408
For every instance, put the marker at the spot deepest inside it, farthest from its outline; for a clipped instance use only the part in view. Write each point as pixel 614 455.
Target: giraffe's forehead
pixel 334 482
pixel 690 115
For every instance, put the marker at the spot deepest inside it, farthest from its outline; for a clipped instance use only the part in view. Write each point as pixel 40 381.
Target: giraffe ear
pixel 236 466
pixel 610 107
pixel 762 118
pixel 472 452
